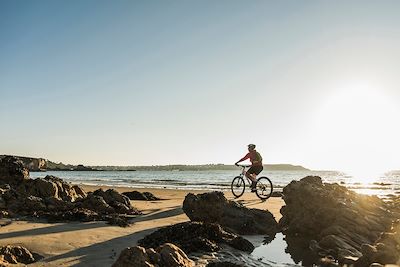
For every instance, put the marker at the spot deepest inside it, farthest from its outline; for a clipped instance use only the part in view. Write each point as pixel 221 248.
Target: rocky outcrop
pixel 12 171
pixel 52 198
pixel 32 164
pixel 166 255
pixel 224 264
pixel 51 186
pixel 213 207
pixel 136 195
pixel 107 202
pixel 331 220
pixel 386 249
pixel 196 236
pixel 15 254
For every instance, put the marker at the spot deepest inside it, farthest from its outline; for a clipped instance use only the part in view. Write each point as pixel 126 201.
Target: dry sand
pixel 99 244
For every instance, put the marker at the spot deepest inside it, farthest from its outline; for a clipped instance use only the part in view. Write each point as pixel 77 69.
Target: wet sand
pixel 99 244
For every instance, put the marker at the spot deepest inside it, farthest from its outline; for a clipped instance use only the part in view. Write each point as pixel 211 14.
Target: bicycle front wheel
pixel 238 186
pixel 264 188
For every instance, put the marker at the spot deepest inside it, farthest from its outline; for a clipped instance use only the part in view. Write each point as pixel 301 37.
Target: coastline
pixel 198 181
pixel 99 244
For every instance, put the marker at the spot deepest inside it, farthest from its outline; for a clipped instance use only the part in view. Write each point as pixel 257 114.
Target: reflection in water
pixel 289 251
pixel 273 252
pixel 299 250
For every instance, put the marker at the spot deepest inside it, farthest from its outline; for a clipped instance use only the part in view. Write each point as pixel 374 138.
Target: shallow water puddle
pixel 272 253
pixel 264 255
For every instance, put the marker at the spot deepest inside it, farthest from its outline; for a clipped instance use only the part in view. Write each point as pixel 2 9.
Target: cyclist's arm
pixel 244 158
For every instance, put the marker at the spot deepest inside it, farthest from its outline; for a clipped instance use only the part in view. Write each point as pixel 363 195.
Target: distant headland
pixel 40 164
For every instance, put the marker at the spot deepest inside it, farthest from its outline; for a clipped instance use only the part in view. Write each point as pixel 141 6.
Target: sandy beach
pixel 99 244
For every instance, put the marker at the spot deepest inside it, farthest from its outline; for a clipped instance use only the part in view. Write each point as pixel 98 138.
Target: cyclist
pixel 256 165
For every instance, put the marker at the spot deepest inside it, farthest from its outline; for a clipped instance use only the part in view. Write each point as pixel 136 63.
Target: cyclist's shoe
pixel 253 189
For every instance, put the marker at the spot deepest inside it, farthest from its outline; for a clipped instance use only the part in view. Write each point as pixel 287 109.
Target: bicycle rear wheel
pixel 238 186
pixel 264 188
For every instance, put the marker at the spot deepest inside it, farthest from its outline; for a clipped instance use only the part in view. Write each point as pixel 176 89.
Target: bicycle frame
pixel 243 173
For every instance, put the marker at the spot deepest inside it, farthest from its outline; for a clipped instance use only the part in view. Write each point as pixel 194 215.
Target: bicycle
pixel 263 185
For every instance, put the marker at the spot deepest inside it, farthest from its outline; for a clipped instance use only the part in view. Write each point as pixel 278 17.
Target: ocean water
pixel 384 184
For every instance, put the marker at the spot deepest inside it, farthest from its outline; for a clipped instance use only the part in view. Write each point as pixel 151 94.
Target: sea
pixel 381 185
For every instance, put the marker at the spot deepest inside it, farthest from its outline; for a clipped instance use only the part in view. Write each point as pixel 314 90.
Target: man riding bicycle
pixel 256 165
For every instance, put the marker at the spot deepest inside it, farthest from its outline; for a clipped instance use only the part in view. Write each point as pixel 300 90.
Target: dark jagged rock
pixel 32 164
pixel 51 186
pixel 196 236
pixel 75 214
pixel 119 221
pixel 108 202
pixel 16 254
pixel 136 195
pixel 213 207
pixel 96 203
pixel 111 196
pixel 330 219
pixel 54 199
pixel 386 249
pixel 12 171
pixel 166 255
pixel 224 264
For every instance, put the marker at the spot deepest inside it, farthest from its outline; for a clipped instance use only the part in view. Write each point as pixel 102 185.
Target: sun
pixel 356 126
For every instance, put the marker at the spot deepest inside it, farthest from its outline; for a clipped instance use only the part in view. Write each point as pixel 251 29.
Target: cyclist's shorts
pixel 255 170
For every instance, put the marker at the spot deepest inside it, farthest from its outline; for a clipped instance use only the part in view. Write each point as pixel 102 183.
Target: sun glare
pixel 356 126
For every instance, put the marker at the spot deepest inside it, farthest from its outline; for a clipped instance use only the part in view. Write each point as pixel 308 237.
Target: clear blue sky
pixel 192 82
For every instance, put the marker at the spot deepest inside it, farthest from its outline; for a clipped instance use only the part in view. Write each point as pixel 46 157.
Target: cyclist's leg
pixel 252 176
pixel 256 170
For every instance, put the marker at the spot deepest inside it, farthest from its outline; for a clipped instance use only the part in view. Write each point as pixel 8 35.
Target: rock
pixel 195 236
pixel 12 171
pixel 108 202
pixel 95 203
pixel 136 195
pixel 117 201
pixel 55 204
pixel 133 256
pixel 339 220
pixel 384 251
pixel 51 186
pixel 172 256
pixel 4 222
pixel 75 214
pixel 224 264
pixel 119 221
pixel 32 164
pixel 213 207
pixel 327 261
pixel 166 255
pixel 52 198
pixel 241 243
pixel 33 203
pixel 16 254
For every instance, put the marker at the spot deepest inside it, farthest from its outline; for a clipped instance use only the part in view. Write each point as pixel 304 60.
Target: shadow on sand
pixel 99 254
pixel 102 253
pixel 54 229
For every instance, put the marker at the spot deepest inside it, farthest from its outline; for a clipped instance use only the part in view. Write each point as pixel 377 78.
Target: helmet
pixel 251 146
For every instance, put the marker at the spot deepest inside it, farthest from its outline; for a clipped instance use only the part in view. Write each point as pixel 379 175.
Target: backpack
pixel 258 157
